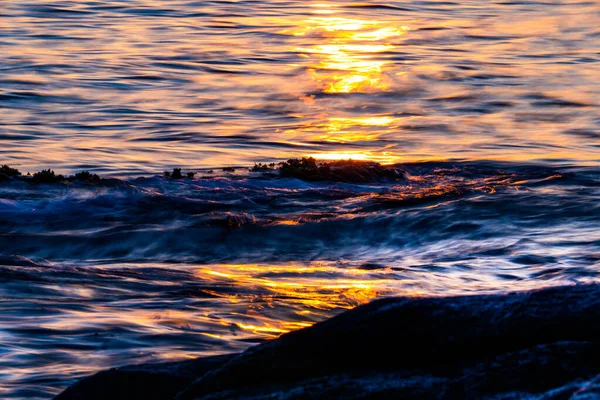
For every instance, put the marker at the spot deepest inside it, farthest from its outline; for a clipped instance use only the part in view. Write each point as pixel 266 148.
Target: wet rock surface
pixel 148 382
pixel 541 344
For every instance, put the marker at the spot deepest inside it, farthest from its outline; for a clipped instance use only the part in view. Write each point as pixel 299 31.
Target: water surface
pixel 141 85
pixel 491 110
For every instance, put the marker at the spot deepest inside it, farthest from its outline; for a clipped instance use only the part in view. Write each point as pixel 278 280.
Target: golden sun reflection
pixel 304 288
pixel 346 63
pixel 344 130
pixel 348 55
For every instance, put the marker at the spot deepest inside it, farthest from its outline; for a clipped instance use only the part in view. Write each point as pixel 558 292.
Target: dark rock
pixel 553 370
pixel 432 336
pixel 47 176
pixel 260 167
pixel 176 174
pixel 86 176
pixel 350 171
pixel 306 168
pixel 467 347
pixel 9 172
pixel 148 382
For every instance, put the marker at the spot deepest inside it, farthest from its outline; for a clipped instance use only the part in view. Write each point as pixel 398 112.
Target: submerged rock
pixel 544 343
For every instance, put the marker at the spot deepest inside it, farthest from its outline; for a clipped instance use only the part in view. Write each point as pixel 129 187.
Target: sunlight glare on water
pixel 149 85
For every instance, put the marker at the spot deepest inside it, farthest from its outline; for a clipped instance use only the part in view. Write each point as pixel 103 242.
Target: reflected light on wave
pixel 350 57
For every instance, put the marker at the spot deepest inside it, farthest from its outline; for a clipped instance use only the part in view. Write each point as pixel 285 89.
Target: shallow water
pixel 152 269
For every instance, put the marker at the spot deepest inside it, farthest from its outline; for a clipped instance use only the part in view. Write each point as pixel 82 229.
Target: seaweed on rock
pixel 350 171
pixel 10 172
pixel 7 173
pixel 47 176
pixel 177 174
pixel 260 167
pixel 307 169
pixel 86 176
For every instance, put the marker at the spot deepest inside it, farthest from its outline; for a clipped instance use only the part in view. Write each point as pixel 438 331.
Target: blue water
pixel 491 110
pixel 151 268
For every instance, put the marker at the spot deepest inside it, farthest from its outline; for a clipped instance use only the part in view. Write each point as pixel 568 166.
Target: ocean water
pixel 491 109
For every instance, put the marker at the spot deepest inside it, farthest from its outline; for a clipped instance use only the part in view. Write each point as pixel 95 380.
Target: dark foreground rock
pixel 148 382
pixel 543 344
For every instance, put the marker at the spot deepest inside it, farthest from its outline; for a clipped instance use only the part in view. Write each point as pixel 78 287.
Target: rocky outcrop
pixel 350 171
pixel 542 344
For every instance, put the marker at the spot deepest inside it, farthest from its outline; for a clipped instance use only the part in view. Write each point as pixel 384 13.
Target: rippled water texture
pixel 112 84
pixel 503 96
pixel 152 268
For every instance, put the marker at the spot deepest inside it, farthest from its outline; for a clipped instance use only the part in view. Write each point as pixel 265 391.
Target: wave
pixel 260 216
pixel 114 271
